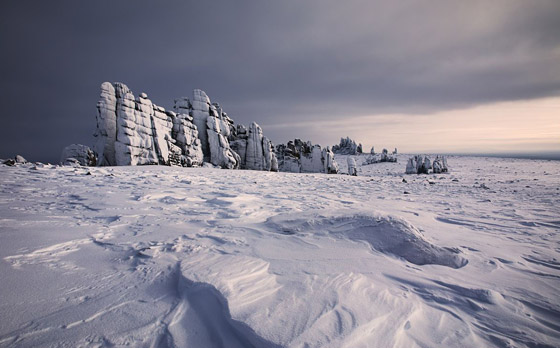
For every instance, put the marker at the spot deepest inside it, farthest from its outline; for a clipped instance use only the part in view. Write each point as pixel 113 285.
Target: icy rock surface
pixel 303 157
pixel 347 146
pixel 82 153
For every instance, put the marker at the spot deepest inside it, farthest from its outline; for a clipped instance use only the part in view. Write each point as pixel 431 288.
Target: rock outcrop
pixel 134 131
pixel 303 157
pixel 422 165
pixel 19 159
pixel 347 147
pixel 81 153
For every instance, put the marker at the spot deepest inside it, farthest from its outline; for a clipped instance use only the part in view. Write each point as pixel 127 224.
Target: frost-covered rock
pixel 82 153
pixel 303 157
pixel 347 147
pixel 384 156
pixel 352 168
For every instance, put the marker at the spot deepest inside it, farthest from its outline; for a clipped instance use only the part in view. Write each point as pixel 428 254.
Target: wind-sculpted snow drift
pixel 385 234
pixel 162 256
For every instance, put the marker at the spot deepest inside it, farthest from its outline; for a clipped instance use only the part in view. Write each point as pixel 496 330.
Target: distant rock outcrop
pixel 134 131
pixel 440 165
pixel 422 165
pixel 303 157
pixel 384 156
pixel 347 147
pixel 81 153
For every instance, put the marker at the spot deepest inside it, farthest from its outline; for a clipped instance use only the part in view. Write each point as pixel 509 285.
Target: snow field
pixel 187 257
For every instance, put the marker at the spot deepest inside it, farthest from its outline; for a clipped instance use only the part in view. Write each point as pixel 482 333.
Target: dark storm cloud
pixel 272 62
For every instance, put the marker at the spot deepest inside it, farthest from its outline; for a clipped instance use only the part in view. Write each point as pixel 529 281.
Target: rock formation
pixel 384 156
pixel 303 157
pixel 81 153
pixel 347 147
pixel 134 131
pixel 421 165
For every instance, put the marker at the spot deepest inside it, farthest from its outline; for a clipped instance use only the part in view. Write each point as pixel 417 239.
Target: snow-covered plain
pixel 158 256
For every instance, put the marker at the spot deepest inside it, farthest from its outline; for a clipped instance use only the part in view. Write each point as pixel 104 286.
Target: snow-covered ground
pixel 180 257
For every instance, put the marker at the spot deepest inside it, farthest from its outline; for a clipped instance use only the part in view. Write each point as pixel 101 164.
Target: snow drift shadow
pixel 201 318
pixel 385 234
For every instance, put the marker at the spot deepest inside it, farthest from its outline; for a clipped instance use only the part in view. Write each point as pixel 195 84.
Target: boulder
pixel 20 160
pixel 81 153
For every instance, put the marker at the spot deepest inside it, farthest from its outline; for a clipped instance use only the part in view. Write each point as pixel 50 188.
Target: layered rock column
pixel 106 132
pixel 135 136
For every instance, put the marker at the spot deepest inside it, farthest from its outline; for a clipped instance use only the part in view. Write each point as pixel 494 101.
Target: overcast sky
pixel 446 76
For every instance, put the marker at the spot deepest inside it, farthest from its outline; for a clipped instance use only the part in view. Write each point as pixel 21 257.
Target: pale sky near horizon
pixel 526 126
pixel 421 75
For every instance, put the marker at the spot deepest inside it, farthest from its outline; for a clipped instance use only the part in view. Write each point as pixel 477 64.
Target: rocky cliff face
pixel 303 157
pixel 134 131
